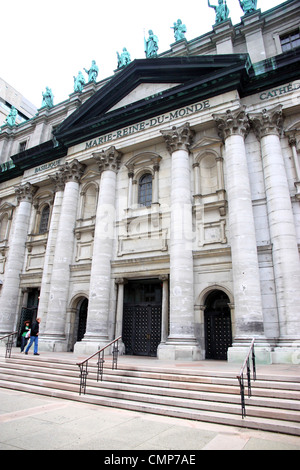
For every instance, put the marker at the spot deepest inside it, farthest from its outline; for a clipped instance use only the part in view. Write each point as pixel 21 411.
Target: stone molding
pixel 232 123
pixel 108 159
pixel 25 192
pixel 267 122
pixel 178 138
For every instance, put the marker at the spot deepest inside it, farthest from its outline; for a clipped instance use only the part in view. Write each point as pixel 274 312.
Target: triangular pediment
pixel 143 91
pixel 149 87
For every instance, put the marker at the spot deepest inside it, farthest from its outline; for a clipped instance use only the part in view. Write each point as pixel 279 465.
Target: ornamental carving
pixel 108 159
pixel 58 180
pixel 267 122
pixel 25 192
pixel 72 171
pixel 178 138
pixel 232 123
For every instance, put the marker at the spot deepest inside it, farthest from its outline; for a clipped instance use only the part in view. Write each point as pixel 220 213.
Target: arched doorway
pixel 82 318
pixel 217 321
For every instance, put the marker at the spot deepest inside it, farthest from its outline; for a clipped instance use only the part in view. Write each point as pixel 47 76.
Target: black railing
pixel 240 377
pixel 83 366
pixel 10 342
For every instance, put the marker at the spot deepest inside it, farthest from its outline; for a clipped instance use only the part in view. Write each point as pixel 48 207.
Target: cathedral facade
pixel 162 204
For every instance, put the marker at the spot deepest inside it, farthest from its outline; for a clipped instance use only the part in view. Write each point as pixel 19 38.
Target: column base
pixel 268 351
pixel 173 350
pixel 53 343
pixel 91 345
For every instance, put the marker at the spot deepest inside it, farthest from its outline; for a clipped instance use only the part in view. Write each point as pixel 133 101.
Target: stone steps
pixel 207 396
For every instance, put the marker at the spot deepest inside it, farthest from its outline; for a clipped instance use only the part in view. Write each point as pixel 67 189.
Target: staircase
pixel 211 395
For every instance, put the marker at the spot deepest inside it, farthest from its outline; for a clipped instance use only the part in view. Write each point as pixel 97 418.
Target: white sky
pixel 45 43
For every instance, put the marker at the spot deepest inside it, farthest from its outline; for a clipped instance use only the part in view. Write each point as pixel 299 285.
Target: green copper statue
pixel 151 45
pixel 222 11
pixel 92 72
pixel 123 58
pixel 47 98
pixel 79 82
pixel 179 30
pixel 11 118
pixel 248 6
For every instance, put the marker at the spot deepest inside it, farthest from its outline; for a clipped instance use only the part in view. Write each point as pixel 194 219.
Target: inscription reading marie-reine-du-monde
pixel 144 125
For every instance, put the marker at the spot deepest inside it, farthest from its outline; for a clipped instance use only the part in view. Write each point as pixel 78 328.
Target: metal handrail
pixel 240 377
pixel 9 343
pixel 83 365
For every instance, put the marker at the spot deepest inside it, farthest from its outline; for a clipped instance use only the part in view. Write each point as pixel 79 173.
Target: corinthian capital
pixel 178 138
pixel 268 122
pixel 232 123
pixel 108 159
pixel 72 171
pixel 25 192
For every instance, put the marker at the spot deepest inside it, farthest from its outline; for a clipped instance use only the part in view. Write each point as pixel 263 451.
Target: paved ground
pixel 33 422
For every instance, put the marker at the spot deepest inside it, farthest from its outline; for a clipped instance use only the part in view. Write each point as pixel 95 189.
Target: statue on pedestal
pixel 179 30
pixel 11 118
pixel 248 6
pixel 123 58
pixel 47 98
pixel 222 10
pixel 92 72
pixel 151 45
pixel 79 82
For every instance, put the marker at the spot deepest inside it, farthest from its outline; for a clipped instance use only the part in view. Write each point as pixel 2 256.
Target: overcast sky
pixel 46 43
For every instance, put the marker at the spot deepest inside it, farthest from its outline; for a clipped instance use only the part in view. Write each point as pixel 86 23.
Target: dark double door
pixel 142 318
pixel 218 333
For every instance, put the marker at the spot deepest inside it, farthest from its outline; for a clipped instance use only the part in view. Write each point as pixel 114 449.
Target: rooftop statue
pixel 123 58
pixel 179 30
pixel 47 98
pixel 151 45
pixel 79 82
pixel 92 72
pixel 248 6
pixel 222 10
pixel 11 118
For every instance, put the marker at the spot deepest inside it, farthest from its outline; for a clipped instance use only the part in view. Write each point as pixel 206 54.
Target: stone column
pixel 181 343
pixel 268 126
pixel 164 307
pixel 59 182
pixel 120 282
pixel 54 334
pixel 97 321
pixel 233 126
pixel 15 259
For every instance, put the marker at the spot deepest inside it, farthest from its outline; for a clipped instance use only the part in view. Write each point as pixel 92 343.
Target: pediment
pixel 149 87
pixel 143 91
pixel 205 142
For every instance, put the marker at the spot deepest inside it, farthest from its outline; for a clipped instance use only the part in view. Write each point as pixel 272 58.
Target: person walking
pixel 25 334
pixel 34 337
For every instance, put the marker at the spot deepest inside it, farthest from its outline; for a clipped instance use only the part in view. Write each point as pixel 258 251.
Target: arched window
pixel 145 190
pixel 44 219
